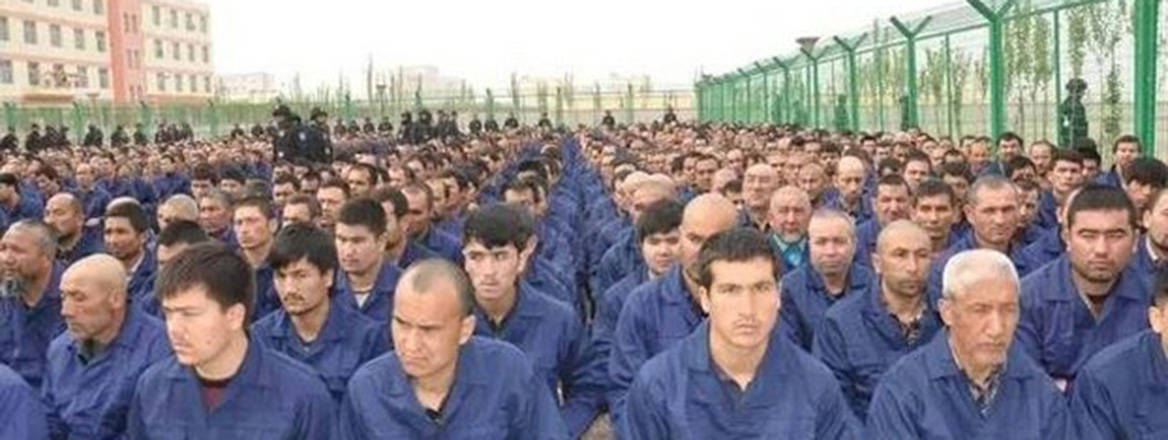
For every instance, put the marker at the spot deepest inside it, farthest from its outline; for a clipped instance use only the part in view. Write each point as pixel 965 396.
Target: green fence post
pixel 786 105
pixel 910 37
pixel 1145 28
pixel 997 63
pixel 813 92
pixel 744 76
pixel 1058 73
pixel 765 104
pixel 849 47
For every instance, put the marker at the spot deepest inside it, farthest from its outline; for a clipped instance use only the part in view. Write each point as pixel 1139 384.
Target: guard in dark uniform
pixel 119 138
pixel 385 128
pixel 492 126
pixel 544 122
pixel 10 142
pixel 670 117
pixel 32 141
pixel 511 123
pixel 237 132
pixel 608 120
pixel 94 137
pixel 1072 114
pixel 140 138
pixel 475 125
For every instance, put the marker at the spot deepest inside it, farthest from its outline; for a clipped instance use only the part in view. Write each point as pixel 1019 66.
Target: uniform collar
pixel 941 364
pixel 251 372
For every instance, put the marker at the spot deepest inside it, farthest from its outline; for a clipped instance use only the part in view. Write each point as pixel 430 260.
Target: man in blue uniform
pixel 892 201
pixel 934 209
pixel 734 376
pixel 30 302
pixel 830 276
pixel 418 223
pixel 864 334
pixel 790 213
pixel 93 368
pixel 1090 297
pixel 1152 248
pixel 24 415
pixel 126 226
pixel 215 216
pixel 496 248
pixel 1122 392
pixel 664 311
pixel 75 240
pixel 398 248
pixel 441 381
pixel 310 327
pixel 220 383
pixel 971 381
pixel 992 210
pixel 367 279
pixel 254 226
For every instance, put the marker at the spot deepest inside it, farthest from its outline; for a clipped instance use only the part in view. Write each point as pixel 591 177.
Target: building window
pixel 34 74
pixel 60 79
pixel 103 77
pixel 207 54
pixel 100 37
pixel 53 3
pixel 176 51
pixel 77 5
pixel 160 82
pixel 82 77
pixel 79 39
pixel 55 35
pixel 190 22
pixel 203 24
pixel 174 19
pixel 178 83
pixel 194 84
pixel 191 53
pixel 30 32
pixel 207 84
pixel 5 71
pixel 98 7
pixel 3 28
pixel 158 49
pixel 156 15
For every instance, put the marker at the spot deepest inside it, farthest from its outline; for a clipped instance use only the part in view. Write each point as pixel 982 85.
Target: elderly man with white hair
pixel 971 381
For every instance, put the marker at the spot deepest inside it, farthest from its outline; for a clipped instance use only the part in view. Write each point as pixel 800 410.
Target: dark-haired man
pixel 368 278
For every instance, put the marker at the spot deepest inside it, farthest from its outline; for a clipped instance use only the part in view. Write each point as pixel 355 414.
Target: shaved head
pixel 102 269
pixel 898 232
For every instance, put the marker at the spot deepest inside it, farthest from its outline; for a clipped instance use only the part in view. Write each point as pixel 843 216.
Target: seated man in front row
pixel 440 381
pixel 971 381
pixel 735 376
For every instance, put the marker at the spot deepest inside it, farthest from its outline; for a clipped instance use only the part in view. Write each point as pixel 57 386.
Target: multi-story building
pixel 124 51
pixel 256 87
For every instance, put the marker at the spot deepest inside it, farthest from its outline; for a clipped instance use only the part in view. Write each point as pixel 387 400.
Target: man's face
pixel 849 180
pixel 994 217
pixel 1099 244
pixel 397 177
pixel 296 213
pixel 1066 176
pixel 61 216
pixel 493 271
pixel 812 180
pixel 231 186
pixel 704 173
pixel 359 180
pixel 1040 154
pixel 661 251
pixel 892 203
pixel 979 154
pixel 789 216
pixel 88 306
pixel 881 152
pixel 642 199
pixel 199 188
pixel 1140 193
pixel 832 245
pixel 1156 220
pixel 21 256
pixel 903 262
pixel 1090 169
pixel 281 193
pixel 331 200
pixel 302 286
pixel 309 186
pixel 417 219
pixel 121 240
pixel 1024 174
pixel 214 215
pixel 1027 207
pixel 934 214
pixel 1008 148
pixel 981 321
pixel 1125 152
pixel 358 249
pixel 757 185
pixel 252 227
pixel 742 302
pixel 85 177
pixel 695 230
pixel 199 328
pixel 915 171
pixel 428 329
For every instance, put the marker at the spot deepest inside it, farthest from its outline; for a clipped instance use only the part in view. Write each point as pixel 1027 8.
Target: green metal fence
pixel 974 67
pixel 216 118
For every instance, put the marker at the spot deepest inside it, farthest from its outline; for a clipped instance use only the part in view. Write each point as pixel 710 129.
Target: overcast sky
pixel 484 41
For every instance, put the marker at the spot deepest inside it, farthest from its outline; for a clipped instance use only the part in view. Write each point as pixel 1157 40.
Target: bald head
pixel 704 216
pixel 64 200
pixel 101 271
pixel 64 213
pixel 901 232
pixel 178 207
pixel 850 164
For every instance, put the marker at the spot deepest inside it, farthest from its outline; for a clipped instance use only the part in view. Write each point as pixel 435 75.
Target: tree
pixel 1042 69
